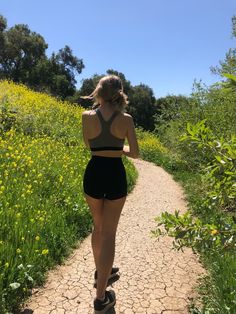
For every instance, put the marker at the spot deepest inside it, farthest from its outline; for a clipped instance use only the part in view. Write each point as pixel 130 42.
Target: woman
pixel 105 130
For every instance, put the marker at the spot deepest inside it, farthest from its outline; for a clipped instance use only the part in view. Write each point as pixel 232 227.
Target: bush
pixel 213 234
pixel 220 170
pixel 215 104
pixel 151 149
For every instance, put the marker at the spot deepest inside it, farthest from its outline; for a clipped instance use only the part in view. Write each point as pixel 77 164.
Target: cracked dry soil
pixel 154 278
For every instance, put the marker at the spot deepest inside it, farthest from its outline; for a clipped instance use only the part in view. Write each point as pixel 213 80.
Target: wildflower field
pixel 43 214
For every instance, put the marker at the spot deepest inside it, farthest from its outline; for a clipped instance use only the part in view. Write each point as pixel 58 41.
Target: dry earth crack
pixel 154 278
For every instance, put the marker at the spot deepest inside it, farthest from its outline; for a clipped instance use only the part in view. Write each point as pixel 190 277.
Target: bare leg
pixel 110 218
pixel 96 208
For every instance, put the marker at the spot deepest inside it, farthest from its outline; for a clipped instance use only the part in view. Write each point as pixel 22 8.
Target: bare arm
pixel 84 128
pixel 131 150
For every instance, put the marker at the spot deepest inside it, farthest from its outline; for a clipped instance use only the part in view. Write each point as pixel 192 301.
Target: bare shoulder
pixel 127 116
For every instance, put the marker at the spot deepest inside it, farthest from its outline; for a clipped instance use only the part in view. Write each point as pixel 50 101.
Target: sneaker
pixel 111 279
pixel 101 307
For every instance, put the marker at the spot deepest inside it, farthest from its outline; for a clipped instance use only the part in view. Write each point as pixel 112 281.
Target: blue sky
pixel 165 44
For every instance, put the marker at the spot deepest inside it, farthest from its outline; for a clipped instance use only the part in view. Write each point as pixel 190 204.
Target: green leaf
pixel 229 76
pixel 14 285
pixel 217 157
pixel 29 277
pixel 180 234
pixel 188 127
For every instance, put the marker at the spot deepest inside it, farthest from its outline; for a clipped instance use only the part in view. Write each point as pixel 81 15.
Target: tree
pixel 70 65
pixel 23 59
pixel 229 64
pixel 168 109
pixel 142 106
pixel 87 87
pixel 3 23
pixel 21 49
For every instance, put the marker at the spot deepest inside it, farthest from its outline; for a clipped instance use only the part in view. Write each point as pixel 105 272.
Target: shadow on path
pixel 26 311
pixel 29 311
pixel 111 311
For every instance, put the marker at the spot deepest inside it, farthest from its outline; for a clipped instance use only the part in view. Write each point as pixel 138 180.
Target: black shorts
pixel 105 177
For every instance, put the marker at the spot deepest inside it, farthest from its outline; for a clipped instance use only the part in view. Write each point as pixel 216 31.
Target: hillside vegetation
pixel 43 214
pixel 201 143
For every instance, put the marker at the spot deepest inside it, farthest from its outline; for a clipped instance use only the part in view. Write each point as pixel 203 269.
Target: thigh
pixel 111 215
pixel 96 209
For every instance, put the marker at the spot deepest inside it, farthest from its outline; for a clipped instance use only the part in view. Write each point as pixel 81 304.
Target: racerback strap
pixel 109 121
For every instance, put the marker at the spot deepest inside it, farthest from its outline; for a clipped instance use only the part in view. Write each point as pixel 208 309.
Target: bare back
pixel 122 127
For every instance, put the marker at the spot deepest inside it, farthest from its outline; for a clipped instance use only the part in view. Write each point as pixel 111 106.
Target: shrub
pixel 214 234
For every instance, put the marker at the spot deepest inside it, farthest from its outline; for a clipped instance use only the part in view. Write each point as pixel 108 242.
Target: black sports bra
pixel 105 140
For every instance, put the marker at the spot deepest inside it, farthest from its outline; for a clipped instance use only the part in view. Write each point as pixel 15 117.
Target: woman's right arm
pixel 131 150
pixel 84 127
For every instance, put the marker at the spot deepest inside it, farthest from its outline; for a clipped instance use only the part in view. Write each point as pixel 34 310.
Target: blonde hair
pixel 110 89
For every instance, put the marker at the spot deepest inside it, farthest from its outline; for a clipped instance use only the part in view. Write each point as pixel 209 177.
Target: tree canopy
pixel 228 65
pixel 23 59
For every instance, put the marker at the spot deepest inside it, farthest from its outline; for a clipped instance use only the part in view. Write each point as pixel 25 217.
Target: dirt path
pixel 154 278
